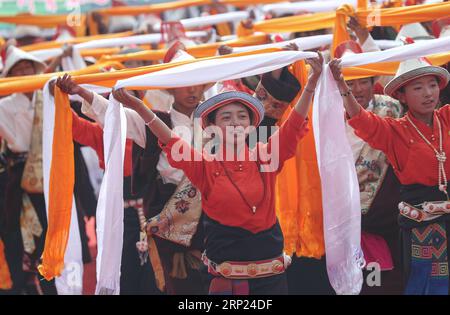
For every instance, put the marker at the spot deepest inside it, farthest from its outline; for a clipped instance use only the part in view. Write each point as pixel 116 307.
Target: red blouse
pixel 91 134
pixel 413 161
pixel 221 200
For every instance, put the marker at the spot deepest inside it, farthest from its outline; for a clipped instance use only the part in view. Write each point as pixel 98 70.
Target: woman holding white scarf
pixel 23 219
pixel 244 242
pixel 417 146
pixel 175 265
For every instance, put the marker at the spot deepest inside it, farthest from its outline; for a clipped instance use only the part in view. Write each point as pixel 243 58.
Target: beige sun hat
pixel 122 23
pixel 411 69
pixel 14 55
pixel 22 31
pixel 416 31
pixel 408 34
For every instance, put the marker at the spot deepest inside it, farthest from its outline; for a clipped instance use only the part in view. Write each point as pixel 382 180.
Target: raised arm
pixel 180 154
pixel 302 106
pixel 94 106
pixel 156 125
pixel 68 86
pixel 352 107
pixel 376 131
pixel 362 33
pixel 56 62
pixel 87 133
pixel 295 127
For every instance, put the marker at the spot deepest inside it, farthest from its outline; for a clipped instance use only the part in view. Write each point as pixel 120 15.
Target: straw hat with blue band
pixel 225 98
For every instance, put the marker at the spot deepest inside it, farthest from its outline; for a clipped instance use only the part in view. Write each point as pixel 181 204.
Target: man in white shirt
pixel 17 110
pixel 180 276
pixel 23 216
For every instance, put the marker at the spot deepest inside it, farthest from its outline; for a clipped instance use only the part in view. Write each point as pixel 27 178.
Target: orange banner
pixel 32 83
pixel 299 192
pixel 160 7
pixel 403 15
pixel 48 21
pixel 77 40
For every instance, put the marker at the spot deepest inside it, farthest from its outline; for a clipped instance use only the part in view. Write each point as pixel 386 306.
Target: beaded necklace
pixel 252 207
pixel 440 155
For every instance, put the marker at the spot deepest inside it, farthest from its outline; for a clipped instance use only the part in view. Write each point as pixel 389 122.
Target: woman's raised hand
pixel 123 96
pixel 336 69
pixel 316 65
pixel 68 85
pixel 291 47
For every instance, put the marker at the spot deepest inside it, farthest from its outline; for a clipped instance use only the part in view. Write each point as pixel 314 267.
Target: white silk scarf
pixel 110 202
pixel 208 20
pixel 340 189
pixel 216 70
pixel 304 43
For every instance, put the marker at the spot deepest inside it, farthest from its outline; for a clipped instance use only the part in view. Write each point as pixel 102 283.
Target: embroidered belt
pixel 248 269
pixel 133 203
pixel 430 210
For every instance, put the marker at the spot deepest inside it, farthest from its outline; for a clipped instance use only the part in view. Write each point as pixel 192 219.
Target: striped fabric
pixel 223 286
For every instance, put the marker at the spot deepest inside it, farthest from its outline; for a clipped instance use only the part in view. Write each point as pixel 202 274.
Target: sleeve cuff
pixel 97 109
pixel 99 104
pixel 297 124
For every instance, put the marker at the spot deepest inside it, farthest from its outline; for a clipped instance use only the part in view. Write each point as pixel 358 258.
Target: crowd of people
pixel 207 224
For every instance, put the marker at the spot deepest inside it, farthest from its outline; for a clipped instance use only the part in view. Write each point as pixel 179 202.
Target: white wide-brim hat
pixel 415 31
pixel 15 55
pixel 22 31
pixel 411 69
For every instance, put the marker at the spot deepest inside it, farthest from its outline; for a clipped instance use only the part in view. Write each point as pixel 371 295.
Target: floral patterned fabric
pixel 179 219
pixel 30 226
pixel 32 179
pixel 371 166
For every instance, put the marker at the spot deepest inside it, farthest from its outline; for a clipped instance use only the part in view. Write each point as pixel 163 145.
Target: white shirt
pixel 136 132
pixel 168 173
pixel 16 121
